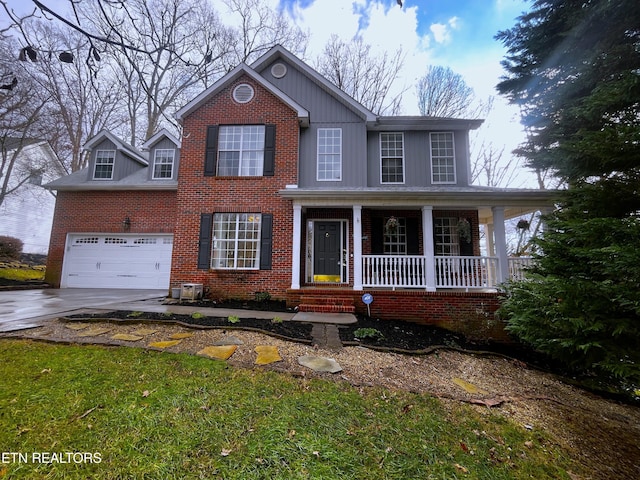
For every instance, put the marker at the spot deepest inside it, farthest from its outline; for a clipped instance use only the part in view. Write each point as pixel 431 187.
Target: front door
pixel 327 241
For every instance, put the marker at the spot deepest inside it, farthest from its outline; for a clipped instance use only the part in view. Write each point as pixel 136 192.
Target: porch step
pixel 326 304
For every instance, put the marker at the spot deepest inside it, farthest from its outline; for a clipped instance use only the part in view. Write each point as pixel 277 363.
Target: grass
pixel 157 415
pixel 21 273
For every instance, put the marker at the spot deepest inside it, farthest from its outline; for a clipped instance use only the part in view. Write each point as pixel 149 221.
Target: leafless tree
pixel 256 27
pixel 443 93
pixel 353 68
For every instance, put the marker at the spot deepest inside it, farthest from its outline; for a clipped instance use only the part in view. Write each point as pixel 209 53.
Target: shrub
pixel 10 247
pixel 364 333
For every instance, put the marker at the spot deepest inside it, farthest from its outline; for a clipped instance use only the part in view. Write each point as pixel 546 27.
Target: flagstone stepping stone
pixel 165 344
pixel 144 331
pixel 180 336
pixel 230 340
pixel 76 326
pixel 94 332
pixel 220 352
pixel 469 387
pixel 127 337
pixel 320 364
pixel 267 354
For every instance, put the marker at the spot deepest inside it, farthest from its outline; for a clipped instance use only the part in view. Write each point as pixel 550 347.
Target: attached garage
pixel 117 261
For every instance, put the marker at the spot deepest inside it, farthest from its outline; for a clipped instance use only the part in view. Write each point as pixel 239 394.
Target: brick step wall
pixel 327 304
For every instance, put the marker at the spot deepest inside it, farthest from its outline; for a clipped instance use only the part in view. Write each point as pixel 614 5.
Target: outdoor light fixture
pixel 126 224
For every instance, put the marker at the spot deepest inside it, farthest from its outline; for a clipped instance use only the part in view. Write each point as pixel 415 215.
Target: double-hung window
pixel 329 154
pixel 104 164
pixel 163 163
pixel 443 166
pixel 241 150
pixel 395 236
pixel 446 236
pixel 392 157
pixel 236 241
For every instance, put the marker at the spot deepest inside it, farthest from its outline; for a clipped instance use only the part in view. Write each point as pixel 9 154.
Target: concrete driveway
pixel 20 309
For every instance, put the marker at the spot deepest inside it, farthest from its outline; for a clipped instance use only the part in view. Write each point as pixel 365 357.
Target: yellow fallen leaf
pixel 225 452
pixel 165 344
pixel 221 352
pixel 461 468
pixel 126 337
pixel 469 387
pixel 76 326
pixel 267 354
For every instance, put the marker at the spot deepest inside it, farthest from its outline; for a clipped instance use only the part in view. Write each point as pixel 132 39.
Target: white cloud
pixel 442 31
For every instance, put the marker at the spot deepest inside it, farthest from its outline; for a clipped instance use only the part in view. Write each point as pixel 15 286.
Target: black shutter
pixel 211 153
pixel 269 150
pixel 377 235
pixel 413 236
pixel 204 241
pixel 266 242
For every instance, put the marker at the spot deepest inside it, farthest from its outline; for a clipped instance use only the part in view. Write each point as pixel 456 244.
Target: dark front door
pixel 327 262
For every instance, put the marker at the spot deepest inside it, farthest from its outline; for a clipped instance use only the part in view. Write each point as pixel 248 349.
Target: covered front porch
pixel 407 240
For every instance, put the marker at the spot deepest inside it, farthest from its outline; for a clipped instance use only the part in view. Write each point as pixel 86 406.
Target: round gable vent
pixel 279 70
pixel 243 93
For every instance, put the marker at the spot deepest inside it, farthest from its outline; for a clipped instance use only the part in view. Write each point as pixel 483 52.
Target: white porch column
pixel 491 248
pixel 296 246
pixel 500 243
pixel 428 247
pixel 357 247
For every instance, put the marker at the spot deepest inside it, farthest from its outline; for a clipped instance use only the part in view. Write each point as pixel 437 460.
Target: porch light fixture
pixel 126 224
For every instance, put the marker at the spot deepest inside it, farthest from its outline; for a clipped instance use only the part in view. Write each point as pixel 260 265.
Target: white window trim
pixel 453 145
pixel 95 166
pixel 155 162
pixel 453 245
pixel 240 162
pixel 318 156
pixel 382 158
pixel 236 241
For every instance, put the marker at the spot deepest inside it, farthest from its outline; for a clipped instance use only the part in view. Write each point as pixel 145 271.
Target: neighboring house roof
pixel 280 52
pixel 405 123
pixel 125 148
pixel 243 69
pixel 77 181
pixel 158 136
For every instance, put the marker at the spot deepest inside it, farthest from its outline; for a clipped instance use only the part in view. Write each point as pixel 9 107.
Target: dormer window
pixel 163 163
pixel 104 164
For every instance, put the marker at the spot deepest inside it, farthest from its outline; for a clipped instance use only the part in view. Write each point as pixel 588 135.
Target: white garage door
pixel 117 261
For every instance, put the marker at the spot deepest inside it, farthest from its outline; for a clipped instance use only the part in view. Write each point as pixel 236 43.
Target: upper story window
pixel 392 158
pixel 163 163
pixel 443 165
pixel 329 154
pixel 104 164
pixel 241 150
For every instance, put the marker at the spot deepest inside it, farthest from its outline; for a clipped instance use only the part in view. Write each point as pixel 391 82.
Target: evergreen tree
pixel 574 68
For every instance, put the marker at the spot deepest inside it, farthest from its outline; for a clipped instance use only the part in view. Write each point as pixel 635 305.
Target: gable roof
pixel 158 136
pixel 243 69
pixel 280 52
pixel 127 149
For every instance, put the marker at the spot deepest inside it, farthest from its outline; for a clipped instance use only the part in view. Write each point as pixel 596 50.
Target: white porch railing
pixel 517 267
pixel 403 271
pixel 409 271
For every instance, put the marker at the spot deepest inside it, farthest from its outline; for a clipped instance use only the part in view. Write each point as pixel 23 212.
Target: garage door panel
pixel 117 261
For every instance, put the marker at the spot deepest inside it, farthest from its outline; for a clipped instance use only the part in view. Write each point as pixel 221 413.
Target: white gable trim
pixel 120 145
pixel 156 138
pixel 243 69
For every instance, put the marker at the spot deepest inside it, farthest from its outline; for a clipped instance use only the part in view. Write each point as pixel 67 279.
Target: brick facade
pixel 198 194
pixel 104 212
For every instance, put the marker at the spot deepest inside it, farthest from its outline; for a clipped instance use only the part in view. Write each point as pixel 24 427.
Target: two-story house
pixel 286 185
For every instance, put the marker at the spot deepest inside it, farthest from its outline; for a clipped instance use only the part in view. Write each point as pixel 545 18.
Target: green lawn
pixel 147 414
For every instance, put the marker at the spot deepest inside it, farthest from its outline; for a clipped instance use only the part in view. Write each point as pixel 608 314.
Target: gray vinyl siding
pixel 123 165
pixel 164 144
pixel 417 158
pixel 326 112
